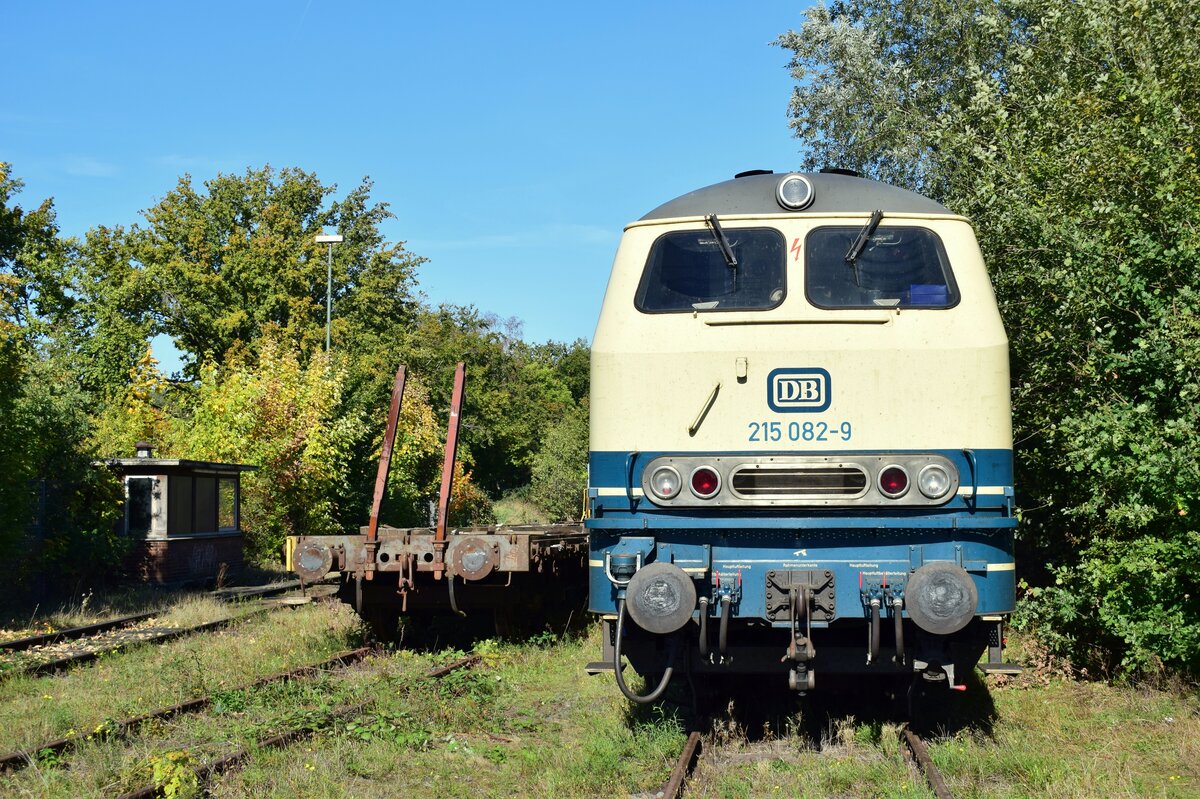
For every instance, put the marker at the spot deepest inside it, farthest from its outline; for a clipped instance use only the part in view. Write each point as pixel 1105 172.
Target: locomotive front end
pixel 801 447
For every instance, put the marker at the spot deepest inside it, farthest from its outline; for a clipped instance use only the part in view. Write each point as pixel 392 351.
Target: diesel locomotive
pixel 801 443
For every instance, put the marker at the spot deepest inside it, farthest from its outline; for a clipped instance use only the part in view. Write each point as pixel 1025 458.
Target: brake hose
pixel 896 604
pixel 654 695
pixel 873 644
pixel 723 635
pixel 704 627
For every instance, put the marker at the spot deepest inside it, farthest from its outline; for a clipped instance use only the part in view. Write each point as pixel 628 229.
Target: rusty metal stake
pixel 385 463
pixel 439 538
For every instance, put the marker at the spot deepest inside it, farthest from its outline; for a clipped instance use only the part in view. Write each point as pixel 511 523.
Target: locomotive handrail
pixel 630 460
pixel 970 453
pixel 608 569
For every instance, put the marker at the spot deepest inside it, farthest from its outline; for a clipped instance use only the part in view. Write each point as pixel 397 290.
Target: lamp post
pixel 330 240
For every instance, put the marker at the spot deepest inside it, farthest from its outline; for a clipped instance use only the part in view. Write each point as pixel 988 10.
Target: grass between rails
pixel 91 608
pixel 145 678
pixel 1020 738
pixel 528 722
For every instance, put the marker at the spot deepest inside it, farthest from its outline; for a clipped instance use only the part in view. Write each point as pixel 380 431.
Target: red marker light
pixel 705 482
pixel 893 481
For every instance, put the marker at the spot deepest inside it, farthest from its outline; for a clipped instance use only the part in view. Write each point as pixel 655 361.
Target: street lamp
pixel 330 240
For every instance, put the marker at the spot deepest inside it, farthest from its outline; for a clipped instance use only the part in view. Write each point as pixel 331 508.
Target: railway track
pixel 925 764
pixel 124 727
pixel 206 773
pixel 110 641
pixel 75 633
pixel 116 634
pixel 685 764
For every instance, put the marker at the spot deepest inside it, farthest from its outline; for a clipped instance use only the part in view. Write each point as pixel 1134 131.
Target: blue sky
pixel 513 141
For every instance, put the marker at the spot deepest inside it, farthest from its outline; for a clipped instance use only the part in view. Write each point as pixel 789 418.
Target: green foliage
pixel 239 255
pixel 32 258
pixel 1067 132
pixel 136 415
pixel 174 774
pixel 514 390
pixel 56 510
pixel 111 320
pixel 560 467
pixel 270 410
pixel 402 730
pixel 230 270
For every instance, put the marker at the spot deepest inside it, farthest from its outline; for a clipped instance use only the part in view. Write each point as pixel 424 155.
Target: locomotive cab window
pixel 897 267
pixel 691 271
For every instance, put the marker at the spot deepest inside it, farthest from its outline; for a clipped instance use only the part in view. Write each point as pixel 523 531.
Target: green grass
pixel 144 678
pixel 29 619
pixel 1039 738
pixel 528 722
pixel 514 510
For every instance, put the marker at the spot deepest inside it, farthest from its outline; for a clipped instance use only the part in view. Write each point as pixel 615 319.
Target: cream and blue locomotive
pixel 801 441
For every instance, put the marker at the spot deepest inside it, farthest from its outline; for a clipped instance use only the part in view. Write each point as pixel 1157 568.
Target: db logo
pixel 798 390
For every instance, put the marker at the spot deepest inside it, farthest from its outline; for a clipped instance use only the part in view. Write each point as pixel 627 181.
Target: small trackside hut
pixel 183 515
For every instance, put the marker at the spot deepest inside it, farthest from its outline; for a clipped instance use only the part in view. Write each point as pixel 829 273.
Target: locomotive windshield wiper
pixel 726 248
pixel 864 235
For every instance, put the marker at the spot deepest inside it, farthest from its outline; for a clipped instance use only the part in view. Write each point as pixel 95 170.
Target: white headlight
pixel 934 481
pixel 794 192
pixel 665 482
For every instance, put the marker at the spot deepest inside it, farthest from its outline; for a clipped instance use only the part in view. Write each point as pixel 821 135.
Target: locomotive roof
pixel 832 193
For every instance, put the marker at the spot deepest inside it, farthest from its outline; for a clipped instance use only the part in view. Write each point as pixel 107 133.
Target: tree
pixel 32 256
pixel 107 332
pixel 270 409
pixel 239 255
pixel 44 414
pixel 1067 132
pixel 559 484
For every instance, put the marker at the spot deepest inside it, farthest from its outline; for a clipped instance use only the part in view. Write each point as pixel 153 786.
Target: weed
pixel 174 776
pixel 228 701
pixel 192 671
pixel 399 731
pixel 475 684
pixel 48 758
pixel 543 640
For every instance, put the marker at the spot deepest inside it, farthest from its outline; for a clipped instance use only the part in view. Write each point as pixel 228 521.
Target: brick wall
pixel 188 559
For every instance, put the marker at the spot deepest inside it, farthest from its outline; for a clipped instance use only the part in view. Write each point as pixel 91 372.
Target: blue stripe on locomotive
pixel 864 548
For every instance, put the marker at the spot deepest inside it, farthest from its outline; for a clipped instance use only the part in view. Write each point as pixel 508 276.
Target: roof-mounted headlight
pixel 794 192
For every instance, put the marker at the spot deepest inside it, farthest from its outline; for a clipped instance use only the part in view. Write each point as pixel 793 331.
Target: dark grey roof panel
pixel 755 194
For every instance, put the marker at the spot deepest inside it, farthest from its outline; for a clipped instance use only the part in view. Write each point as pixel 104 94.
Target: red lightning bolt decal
pixel 796 249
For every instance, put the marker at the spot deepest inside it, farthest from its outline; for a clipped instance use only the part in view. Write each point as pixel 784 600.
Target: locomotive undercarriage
pixel 929 624
pixel 844 648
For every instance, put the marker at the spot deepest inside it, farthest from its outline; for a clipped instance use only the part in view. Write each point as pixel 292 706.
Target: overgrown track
pixel 220 766
pixel 92 645
pixel 124 727
pixel 97 647
pixel 673 787
pixel 75 633
pixel 925 763
pixel 676 783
